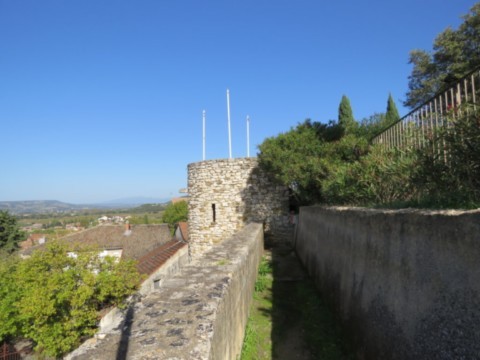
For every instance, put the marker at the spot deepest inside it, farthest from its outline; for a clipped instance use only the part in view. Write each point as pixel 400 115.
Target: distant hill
pixel 54 206
pixel 39 206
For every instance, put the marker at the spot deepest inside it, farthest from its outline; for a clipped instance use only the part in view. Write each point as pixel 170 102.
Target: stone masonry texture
pixel 405 282
pixel 199 313
pixel 227 194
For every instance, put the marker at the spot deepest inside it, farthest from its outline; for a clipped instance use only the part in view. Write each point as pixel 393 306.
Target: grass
pixel 257 343
pixel 323 335
pixel 264 278
pixel 288 314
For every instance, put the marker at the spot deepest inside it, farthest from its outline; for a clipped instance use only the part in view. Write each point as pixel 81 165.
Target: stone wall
pixel 199 313
pixel 406 282
pixel 167 270
pixel 172 266
pixel 227 194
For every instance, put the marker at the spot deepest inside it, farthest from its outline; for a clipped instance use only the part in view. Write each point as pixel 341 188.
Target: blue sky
pixel 103 99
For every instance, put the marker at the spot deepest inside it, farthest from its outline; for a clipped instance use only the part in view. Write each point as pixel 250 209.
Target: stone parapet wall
pixel 227 194
pixel 405 282
pixel 115 316
pixel 199 313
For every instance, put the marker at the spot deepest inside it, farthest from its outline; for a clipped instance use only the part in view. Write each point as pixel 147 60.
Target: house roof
pixel 180 199
pixel 25 244
pixel 135 242
pixel 36 237
pixel 183 226
pixel 150 262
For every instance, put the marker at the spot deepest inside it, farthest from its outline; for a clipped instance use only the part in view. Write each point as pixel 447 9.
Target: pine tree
pixel 455 53
pixel 345 114
pixel 392 113
pixel 10 233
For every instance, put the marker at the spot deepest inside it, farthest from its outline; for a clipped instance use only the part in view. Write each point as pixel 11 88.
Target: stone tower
pixel 227 194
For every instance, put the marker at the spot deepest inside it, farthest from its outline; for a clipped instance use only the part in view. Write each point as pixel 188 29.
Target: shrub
pixel 381 177
pixel 449 167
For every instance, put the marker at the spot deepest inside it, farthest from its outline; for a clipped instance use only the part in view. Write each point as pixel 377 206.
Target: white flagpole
pixel 203 135
pixel 229 130
pixel 248 136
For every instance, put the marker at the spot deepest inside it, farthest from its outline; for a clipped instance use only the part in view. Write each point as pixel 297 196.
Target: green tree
pixel 86 221
pixel 372 125
pixel 305 157
pixel 54 299
pixel 174 213
pixel 330 131
pixel 392 114
pixel 10 233
pixel 115 281
pixel 455 53
pixel 9 295
pixel 294 159
pixel 345 115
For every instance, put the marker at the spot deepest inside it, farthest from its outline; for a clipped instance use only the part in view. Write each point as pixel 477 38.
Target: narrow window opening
pixel 214 213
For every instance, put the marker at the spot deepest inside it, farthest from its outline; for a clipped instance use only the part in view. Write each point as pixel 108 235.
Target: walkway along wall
pixel 199 313
pixel 227 194
pixel 405 282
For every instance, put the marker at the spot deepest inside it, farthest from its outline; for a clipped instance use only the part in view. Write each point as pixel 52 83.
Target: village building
pixel 150 245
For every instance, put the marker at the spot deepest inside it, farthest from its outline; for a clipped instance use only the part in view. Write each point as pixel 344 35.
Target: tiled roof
pixel 136 242
pixel 36 237
pixel 183 226
pixel 180 199
pixel 150 262
pixel 184 229
pixel 26 244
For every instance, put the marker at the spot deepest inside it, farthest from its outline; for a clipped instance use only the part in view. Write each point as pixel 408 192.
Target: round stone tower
pixel 227 194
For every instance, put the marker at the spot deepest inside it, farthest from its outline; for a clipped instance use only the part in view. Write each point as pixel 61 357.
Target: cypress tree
pixel 345 114
pixel 392 113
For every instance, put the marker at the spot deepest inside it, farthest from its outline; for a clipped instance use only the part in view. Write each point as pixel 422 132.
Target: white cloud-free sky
pixel 103 99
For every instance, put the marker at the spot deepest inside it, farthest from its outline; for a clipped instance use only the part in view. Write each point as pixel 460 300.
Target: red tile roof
pixel 36 237
pixel 150 262
pixel 180 199
pixel 26 244
pixel 183 226
pixel 136 242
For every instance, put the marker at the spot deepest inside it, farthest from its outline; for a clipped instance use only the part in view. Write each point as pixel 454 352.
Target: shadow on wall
pixel 264 201
pixel 126 325
pixel 302 325
pixel 405 282
pixel 290 319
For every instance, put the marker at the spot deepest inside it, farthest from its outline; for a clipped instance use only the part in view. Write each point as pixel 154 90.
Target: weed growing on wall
pixel 264 276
